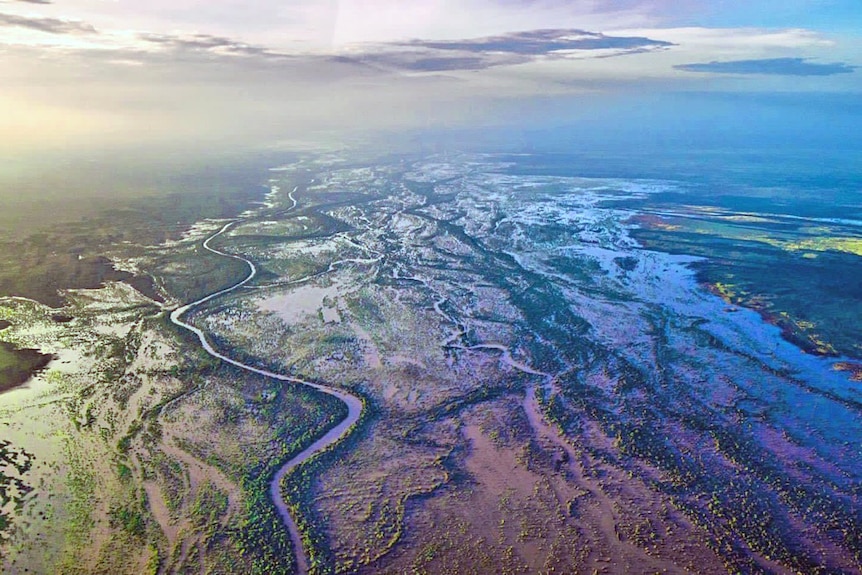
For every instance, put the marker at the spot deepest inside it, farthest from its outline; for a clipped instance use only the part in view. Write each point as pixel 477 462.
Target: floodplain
pixel 556 378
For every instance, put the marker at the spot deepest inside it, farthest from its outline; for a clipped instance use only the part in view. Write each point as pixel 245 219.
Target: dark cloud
pixel 771 67
pixel 48 25
pixel 544 42
pixel 515 48
pixel 441 64
pixel 434 61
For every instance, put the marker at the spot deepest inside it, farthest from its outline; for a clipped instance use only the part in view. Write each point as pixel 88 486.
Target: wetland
pixel 470 364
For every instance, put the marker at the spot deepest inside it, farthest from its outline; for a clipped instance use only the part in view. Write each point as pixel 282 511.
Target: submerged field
pixel 549 386
pixel 800 272
pixel 19 365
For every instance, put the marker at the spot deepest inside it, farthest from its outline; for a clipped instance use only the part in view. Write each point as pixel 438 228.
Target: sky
pixel 166 77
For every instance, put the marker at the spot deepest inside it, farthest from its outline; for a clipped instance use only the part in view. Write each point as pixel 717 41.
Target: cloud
pixel 416 55
pixel 435 64
pixel 397 20
pixel 47 25
pixel 425 61
pixel 770 67
pixel 208 43
pixel 35 1
pixel 543 42
pixel 508 49
pixel 231 56
pixel 728 41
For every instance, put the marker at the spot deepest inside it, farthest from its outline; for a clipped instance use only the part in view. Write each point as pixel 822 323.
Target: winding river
pixel 354 404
